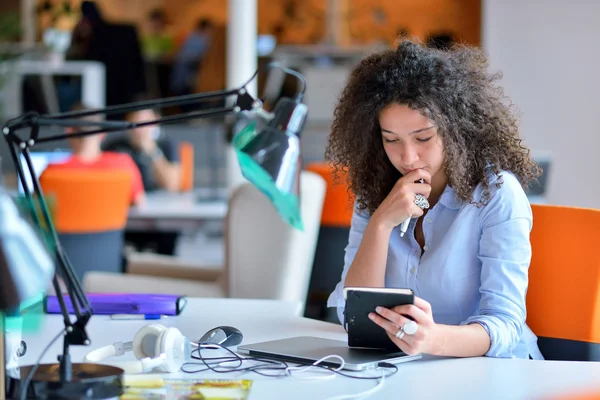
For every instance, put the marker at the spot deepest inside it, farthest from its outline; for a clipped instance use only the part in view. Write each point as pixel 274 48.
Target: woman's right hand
pixel 400 202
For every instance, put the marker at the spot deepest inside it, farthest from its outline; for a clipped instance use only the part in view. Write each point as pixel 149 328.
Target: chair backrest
pixel 186 156
pixel 265 257
pixel 90 213
pixel 339 203
pixel 88 200
pixel 563 299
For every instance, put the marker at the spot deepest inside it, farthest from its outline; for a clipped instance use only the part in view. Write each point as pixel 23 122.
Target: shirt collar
pixel 450 199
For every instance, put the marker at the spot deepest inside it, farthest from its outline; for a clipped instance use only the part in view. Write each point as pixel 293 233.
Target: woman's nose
pixel 409 155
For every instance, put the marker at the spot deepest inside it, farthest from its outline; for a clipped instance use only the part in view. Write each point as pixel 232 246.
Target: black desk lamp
pixel 268 151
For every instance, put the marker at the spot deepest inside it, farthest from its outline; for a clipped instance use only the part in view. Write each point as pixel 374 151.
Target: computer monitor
pixel 40 160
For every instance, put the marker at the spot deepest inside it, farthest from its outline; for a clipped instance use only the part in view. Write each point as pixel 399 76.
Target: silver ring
pixel 400 333
pixel 421 201
pixel 410 327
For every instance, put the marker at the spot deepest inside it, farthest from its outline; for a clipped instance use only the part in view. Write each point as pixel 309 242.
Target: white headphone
pixel 154 346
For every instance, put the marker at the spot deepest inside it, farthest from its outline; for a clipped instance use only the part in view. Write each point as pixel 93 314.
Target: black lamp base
pixel 89 381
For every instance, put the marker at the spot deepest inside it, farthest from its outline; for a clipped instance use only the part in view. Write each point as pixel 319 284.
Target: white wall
pixel 549 52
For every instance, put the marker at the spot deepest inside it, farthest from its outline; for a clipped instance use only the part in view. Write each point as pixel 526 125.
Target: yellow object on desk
pixel 155 387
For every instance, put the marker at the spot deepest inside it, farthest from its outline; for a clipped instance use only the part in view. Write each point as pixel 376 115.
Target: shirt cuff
pixel 336 299
pixel 504 337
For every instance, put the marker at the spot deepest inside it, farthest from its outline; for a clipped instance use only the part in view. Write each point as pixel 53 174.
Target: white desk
pixel 169 211
pixel 430 378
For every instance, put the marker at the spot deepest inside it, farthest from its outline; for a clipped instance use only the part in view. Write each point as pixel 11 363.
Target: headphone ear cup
pixel 175 346
pixel 146 340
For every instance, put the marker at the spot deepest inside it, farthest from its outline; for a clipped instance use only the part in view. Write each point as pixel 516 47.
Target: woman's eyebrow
pixel 410 133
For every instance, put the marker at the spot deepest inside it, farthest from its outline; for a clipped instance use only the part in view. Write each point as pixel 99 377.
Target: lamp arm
pixel 30 120
pixel 25 119
pixel 108 128
pixel 75 291
pixel 156 103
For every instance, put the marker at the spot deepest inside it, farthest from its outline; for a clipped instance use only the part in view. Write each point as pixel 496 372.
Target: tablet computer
pixel 360 301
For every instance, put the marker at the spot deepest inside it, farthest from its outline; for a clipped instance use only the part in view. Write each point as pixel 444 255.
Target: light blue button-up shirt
pixel 473 267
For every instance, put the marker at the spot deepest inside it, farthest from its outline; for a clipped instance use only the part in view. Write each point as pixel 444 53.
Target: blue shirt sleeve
pixel 505 254
pixel 359 222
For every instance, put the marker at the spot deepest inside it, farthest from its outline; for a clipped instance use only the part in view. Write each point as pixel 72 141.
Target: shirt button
pixel 428 220
pixel 425 247
pixel 412 270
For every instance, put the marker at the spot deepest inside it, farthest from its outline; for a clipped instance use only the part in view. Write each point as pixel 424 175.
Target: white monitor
pixel 40 160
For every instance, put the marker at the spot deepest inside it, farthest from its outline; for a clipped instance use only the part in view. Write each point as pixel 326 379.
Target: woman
pixel 427 135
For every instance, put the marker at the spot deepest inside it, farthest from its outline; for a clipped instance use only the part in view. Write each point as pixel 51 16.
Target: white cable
pixel 330 372
pixel 360 395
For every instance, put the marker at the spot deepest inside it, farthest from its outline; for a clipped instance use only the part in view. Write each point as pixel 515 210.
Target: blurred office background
pixel 546 49
pixel 321 38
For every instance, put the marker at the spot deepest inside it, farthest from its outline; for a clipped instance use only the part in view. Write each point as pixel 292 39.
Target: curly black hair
pixel 454 89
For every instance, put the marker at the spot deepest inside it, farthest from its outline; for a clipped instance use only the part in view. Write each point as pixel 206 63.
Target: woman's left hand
pixel 425 340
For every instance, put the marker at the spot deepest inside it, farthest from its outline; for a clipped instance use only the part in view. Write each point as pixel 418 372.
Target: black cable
pixel 36 365
pixel 269 364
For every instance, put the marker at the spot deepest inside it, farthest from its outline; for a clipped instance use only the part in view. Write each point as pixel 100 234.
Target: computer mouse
pixel 225 336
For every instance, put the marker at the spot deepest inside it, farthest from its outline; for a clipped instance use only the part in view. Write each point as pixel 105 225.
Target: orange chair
pixel 186 155
pixel 90 213
pixel 338 207
pixel 563 299
pixel 333 238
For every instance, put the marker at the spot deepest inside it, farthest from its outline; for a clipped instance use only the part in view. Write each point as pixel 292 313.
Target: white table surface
pixel 176 211
pixel 259 320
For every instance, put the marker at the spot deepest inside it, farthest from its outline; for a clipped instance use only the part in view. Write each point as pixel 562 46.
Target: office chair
pixel 90 213
pixel 264 257
pixel 332 241
pixel 563 299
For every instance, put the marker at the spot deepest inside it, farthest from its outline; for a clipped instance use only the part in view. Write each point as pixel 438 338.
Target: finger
pixel 412 311
pixel 416 211
pixel 392 316
pixel 423 305
pixel 385 323
pixel 415 175
pixel 403 345
pixel 403 198
pixel 421 188
pixel 406 343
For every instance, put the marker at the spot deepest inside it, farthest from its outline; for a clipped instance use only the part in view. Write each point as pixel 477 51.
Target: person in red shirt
pixel 87 154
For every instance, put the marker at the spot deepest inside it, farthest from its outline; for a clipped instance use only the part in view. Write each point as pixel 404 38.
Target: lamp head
pixel 269 157
pixel 26 267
